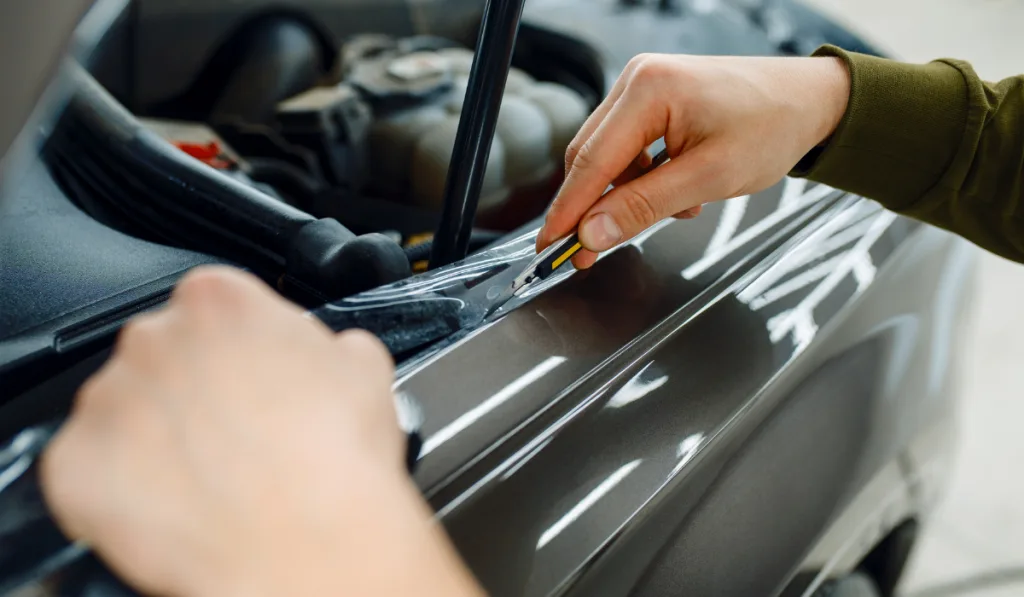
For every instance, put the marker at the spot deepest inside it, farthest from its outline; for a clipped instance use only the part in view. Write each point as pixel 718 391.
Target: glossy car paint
pixel 656 427
pixel 741 404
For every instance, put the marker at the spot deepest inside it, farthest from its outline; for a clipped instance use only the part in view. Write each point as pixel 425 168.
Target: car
pixel 758 401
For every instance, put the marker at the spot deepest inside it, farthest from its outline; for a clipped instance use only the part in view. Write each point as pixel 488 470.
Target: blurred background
pixel 979 529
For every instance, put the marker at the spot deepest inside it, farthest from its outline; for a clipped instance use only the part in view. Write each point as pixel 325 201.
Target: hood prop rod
pixel 495 43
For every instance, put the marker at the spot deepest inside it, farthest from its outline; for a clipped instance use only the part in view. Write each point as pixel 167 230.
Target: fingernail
pixel 600 232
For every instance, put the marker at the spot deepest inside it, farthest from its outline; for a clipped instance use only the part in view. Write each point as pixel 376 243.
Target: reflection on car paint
pixel 725 245
pixel 729 222
pixel 414 313
pixel 793 191
pixel 586 503
pixel 31 544
pixel 800 319
pixel 687 450
pixel 503 395
pixel 945 304
pixel 842 230
pixel 637 388
pixel 639 240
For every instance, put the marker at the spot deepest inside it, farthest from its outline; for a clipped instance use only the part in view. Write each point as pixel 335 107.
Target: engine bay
pixel 322 173
pixel 328 191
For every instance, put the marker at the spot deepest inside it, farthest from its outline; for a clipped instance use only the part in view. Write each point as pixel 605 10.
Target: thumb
pixel 679 185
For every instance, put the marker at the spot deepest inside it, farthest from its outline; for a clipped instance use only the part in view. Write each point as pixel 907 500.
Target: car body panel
pixel 780 419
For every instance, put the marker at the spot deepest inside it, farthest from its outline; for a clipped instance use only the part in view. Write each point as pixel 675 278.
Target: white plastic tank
pixel 410 149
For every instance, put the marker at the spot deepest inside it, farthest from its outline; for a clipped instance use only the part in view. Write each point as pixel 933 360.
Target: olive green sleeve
pixel 933 142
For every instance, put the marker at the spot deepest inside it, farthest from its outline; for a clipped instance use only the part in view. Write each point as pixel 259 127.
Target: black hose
pixel 291 181
pixel 485 89
pixel 126 175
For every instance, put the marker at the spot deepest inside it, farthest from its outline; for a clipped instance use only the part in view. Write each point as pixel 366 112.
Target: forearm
pixel 933 142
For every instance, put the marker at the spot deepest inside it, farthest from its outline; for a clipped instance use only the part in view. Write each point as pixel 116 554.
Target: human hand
pixel 233 446
pixel 733 126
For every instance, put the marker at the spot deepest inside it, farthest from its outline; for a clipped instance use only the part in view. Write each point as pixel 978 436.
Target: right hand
pixel 733 126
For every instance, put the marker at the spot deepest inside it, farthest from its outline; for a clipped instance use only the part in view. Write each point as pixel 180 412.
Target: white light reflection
pixel 792 192
pixel 458 425
pixel 800 320
pixel 844 229
pixel 712 257
pixel 636 389
pixel 526 459
pixel 587 502
pixel 822 270
pixel 639 240
pixel 705 6
pixel 864 270
pixel 687 450
pixel 728 223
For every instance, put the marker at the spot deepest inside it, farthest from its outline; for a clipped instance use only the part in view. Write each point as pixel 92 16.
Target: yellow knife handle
pixel 558 257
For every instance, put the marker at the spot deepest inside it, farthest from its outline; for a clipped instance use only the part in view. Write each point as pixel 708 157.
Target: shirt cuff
pixel 902 128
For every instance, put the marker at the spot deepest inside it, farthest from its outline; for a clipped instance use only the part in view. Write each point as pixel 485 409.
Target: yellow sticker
pixel 561 259
pixel 416 239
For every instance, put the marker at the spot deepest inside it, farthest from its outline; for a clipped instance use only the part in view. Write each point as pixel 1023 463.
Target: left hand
pixel 233 446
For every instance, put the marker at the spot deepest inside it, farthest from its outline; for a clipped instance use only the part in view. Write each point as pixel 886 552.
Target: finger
pixel 71 464
pixel 678 186
pixel 635 169
pixel 629 128
pixel 591 123
pixel 584 259
pixel 218 297
pixel 597 117
pixel 65 483
pixel 371 366
pixel 364 350
pixel 688 214
pixel 599 114
pixel 544 237
pixel 225 287
pixel 143 339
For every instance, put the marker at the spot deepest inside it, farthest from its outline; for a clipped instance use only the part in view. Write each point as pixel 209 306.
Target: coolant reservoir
pixel 417 99
pixel 429 168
